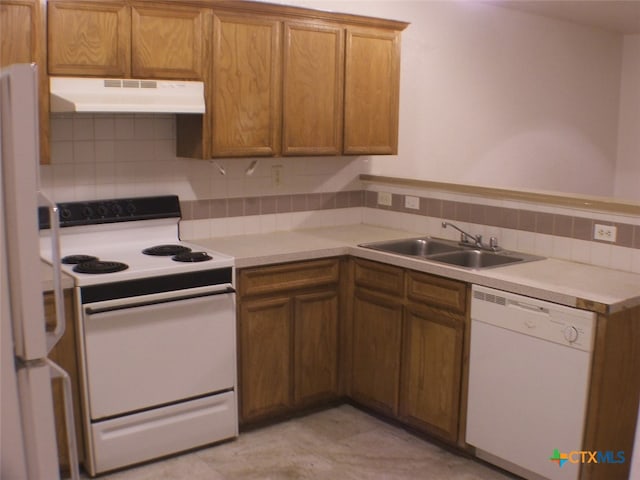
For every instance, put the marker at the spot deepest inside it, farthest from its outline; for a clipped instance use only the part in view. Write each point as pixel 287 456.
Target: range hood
pixel 72 94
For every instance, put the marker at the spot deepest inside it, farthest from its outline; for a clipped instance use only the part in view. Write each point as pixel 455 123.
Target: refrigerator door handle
pixel 58 372
pixel 54 337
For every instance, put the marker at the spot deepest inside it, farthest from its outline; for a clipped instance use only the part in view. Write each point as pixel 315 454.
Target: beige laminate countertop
pixel 568 283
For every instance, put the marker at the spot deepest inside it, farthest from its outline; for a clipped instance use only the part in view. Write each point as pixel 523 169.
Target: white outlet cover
pixel 384 198
pixel 412 202
pixel 605 233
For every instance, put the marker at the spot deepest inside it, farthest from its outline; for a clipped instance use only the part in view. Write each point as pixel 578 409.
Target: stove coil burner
pixel 192 257
pixel 74 259
pixel 99 266
pixel 166 250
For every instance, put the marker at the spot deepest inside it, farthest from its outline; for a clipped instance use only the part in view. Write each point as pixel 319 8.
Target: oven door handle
pixel 145 303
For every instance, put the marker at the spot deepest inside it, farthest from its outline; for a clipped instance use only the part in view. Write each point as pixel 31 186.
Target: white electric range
pixel 156 330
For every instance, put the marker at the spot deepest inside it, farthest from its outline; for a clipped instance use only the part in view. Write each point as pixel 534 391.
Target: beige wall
pixel 499 97
pixel 627 181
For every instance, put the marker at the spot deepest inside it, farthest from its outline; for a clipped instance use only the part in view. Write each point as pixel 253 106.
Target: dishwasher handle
pixel 528 307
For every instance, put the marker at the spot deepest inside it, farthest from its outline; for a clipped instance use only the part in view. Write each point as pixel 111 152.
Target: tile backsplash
pixel 105 156
pixel 546 230
pixel 101 156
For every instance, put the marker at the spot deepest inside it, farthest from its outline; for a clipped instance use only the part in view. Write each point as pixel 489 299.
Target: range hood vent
pixel 71 94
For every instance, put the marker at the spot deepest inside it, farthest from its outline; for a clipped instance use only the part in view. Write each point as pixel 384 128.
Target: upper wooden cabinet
pixel 89 38
pixel 372 86
pixel 122 39
pixel 312 89
pixel 19 27
pixel 246 85
pixel 170 42
pixel 279 80
pixel 300 101
pixel 22 40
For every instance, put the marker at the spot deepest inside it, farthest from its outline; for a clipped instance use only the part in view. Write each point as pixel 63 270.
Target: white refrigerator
pixel 28 449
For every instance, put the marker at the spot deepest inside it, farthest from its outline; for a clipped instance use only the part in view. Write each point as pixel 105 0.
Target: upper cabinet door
pixel 246 95
pixel 169 41
pixel 22 40
pixel 313 89
pixel 89 38
pixel 372 86
pixel 18 42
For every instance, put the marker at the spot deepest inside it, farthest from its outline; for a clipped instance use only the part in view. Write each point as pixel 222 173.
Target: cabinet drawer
pixel 437 291
pixel 260 280
pixel 377 276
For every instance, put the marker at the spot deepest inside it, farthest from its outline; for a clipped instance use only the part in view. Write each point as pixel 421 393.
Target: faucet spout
pixel 477 239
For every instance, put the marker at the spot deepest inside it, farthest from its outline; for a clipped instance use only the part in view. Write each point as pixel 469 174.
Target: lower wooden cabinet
pixel 315 347
pixel 64 354
pixel 287 337
pixel 408 346
pixel 265 357
pixel 376 347
pixel 404 343
pixel 432 370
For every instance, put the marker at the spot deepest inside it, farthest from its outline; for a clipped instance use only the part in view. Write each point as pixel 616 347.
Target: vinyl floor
pixel 341 443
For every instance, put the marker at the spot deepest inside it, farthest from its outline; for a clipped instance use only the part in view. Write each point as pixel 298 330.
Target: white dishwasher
pixel 529 371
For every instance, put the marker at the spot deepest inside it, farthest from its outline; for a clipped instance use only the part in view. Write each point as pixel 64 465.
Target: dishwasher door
pixel 529 370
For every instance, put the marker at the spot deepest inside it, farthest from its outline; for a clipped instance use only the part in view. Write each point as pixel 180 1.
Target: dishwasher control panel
pixel 538 318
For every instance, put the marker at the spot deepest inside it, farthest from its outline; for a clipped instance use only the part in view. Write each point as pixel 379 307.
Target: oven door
pixel 158 349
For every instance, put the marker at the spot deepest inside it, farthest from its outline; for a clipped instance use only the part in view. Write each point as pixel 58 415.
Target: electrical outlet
pixel 606 233
pixel 384 198
pixel 276 175
pixel 412 202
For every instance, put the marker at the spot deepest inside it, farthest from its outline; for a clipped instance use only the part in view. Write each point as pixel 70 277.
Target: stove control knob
pixel 571 334
pixel 116 209
pixel 87 211
pixel 131 208
pixel 65 213
pixel 103 210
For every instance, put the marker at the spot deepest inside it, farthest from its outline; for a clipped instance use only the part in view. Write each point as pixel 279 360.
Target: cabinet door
pixel 377 328
pixel 312 89
pixel 169 42
pixel 246 98
pixel 432 369
pixel 89 38
pixel 22 40
pixel 372 86
pixel 264 331
pixel 18 43
pixel 315 347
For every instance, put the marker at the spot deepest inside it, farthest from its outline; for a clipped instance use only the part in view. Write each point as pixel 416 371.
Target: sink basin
pixel 415 247
pixel 477 259
pixel 450 252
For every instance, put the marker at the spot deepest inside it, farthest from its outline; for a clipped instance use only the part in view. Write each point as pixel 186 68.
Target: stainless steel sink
pixel 477 259
pixel 415 247
pixel 451 253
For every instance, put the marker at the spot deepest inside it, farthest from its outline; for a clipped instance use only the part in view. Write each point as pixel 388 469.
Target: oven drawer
pixel 158 351
pixel 143 436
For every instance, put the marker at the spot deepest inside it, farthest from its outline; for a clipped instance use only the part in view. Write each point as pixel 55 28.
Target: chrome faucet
pixel 473 240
